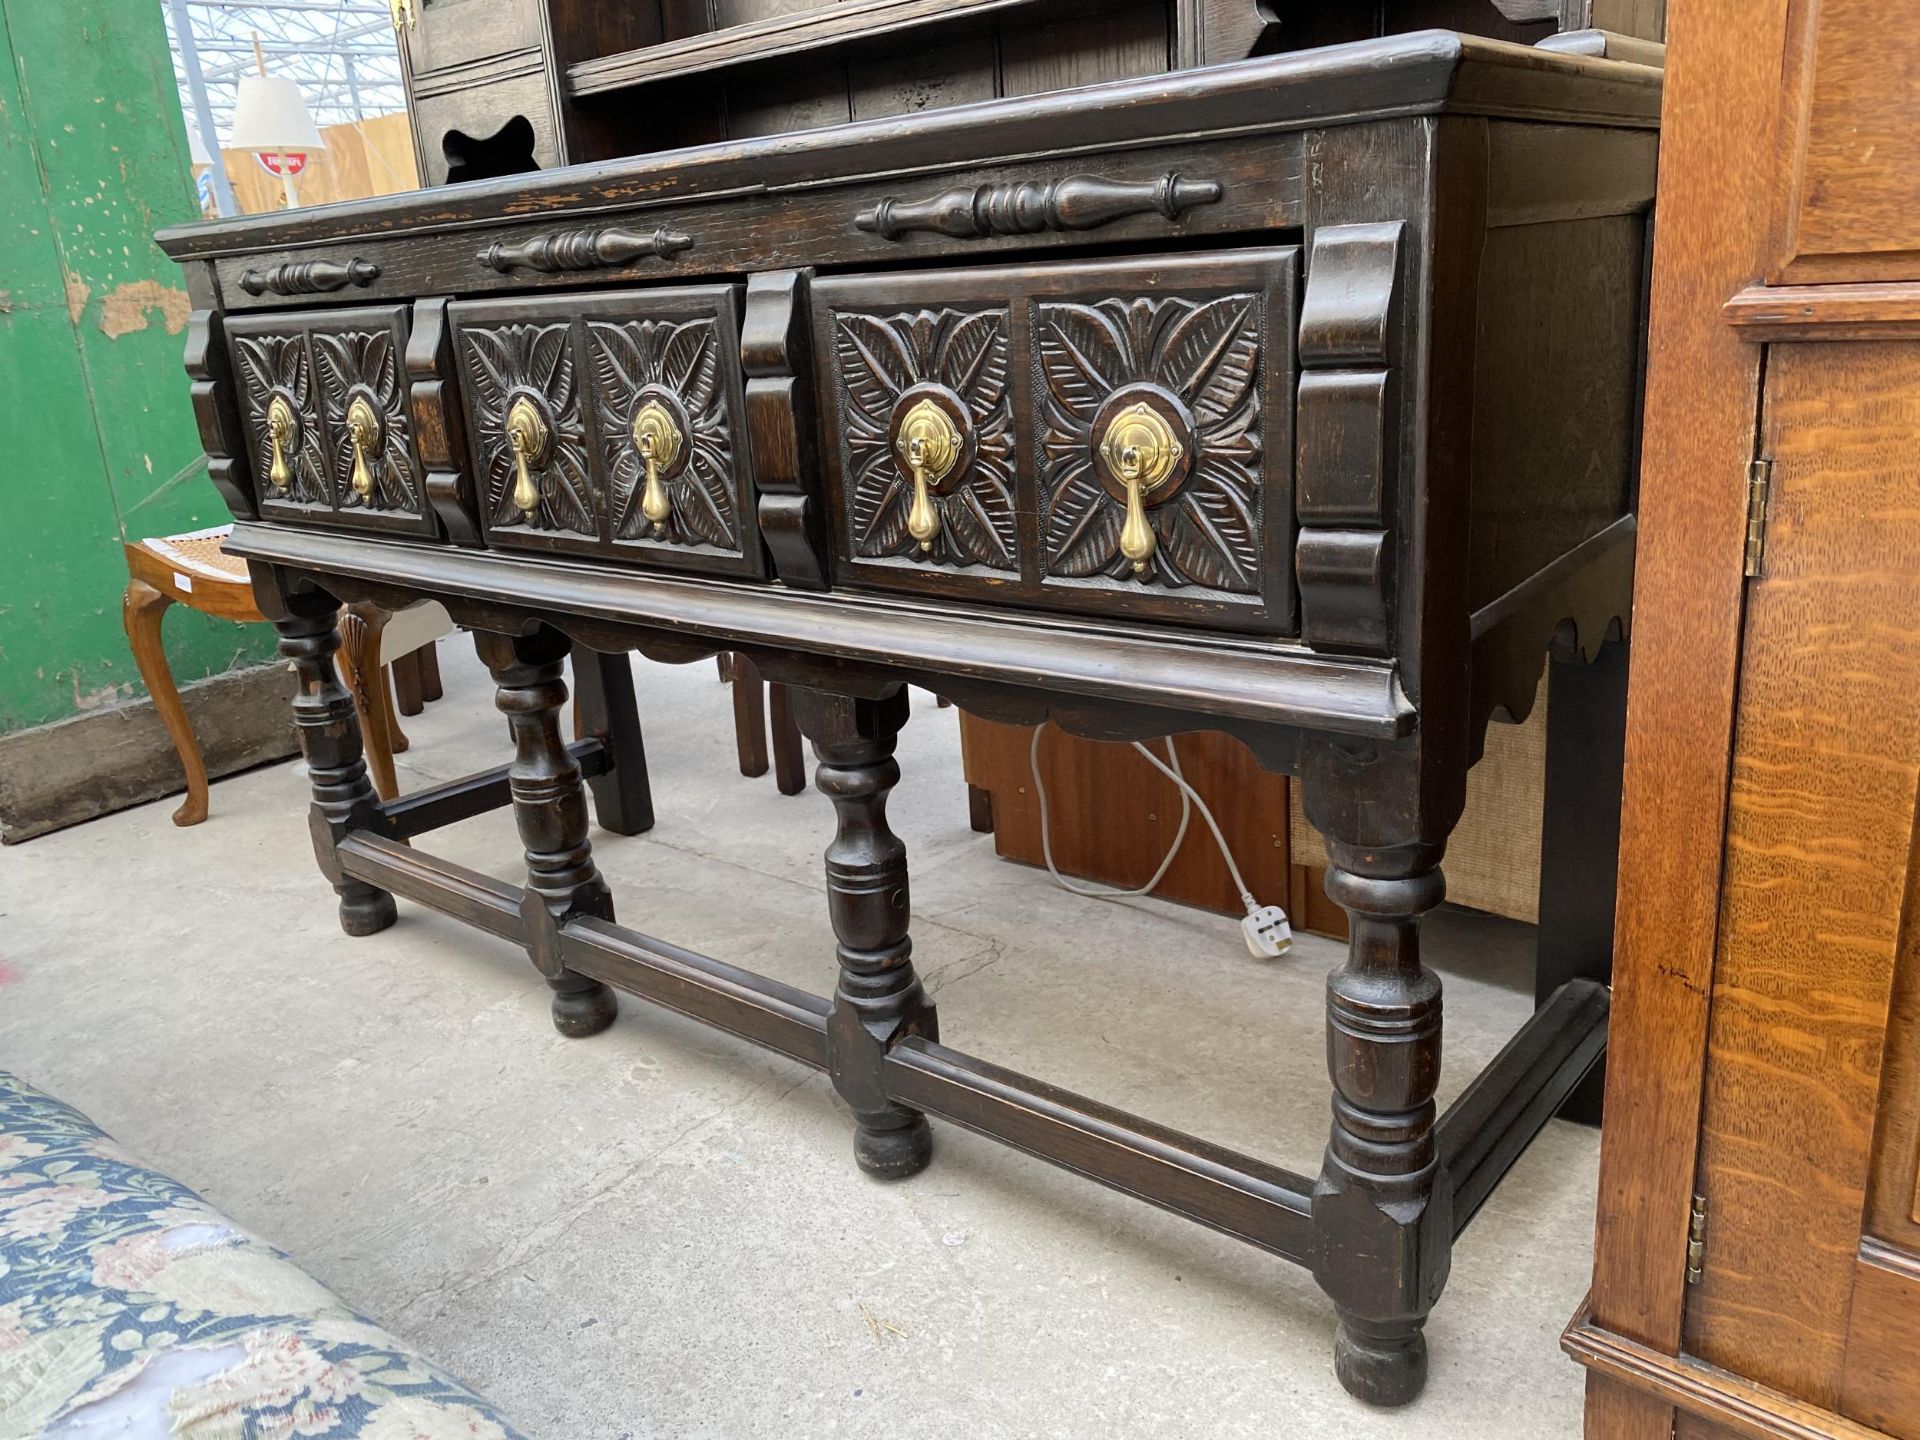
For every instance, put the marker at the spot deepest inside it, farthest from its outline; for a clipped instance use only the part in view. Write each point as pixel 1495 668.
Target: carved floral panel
pixel 365 364
pixel 877 358
pixel 1208 353
pixel 635 361
pixel 273 365
pixel 504 363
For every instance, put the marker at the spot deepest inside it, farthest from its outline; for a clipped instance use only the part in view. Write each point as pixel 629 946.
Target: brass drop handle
pixel 282 430
pixel 923 521
pixel 527 436
pixel 1142 451
pixel 363 426
pixel 928 444
pixel 657 440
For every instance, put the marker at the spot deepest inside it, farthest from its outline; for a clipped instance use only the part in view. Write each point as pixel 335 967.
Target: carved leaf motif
pixel 682 358
pixel 347 362
pixel 879 357
pixel 1212 354
pixel 278 363
pixel 1084 356
pixel 502 362
pixel 971 361
pixel 1208 354
pixel 874 362
pixel 1083 522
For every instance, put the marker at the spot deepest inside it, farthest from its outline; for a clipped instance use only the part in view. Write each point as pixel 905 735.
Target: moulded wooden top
pixel 1269 682
pixel 1424 73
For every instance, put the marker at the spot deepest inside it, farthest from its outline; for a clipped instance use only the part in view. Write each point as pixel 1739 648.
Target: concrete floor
pixel 660 1231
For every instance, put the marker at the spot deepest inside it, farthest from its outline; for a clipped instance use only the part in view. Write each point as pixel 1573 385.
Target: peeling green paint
pixel 97 441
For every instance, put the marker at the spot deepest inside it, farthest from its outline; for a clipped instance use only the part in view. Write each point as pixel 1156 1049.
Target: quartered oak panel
pixel 610 424
pixel 1108 436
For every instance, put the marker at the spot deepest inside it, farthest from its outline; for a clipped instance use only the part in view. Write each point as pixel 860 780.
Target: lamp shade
pixel 270 116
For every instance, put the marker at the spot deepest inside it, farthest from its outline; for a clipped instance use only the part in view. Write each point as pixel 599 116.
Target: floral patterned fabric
pixel 129 1307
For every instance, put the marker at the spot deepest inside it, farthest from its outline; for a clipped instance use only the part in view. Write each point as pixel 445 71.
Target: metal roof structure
pixel 341 53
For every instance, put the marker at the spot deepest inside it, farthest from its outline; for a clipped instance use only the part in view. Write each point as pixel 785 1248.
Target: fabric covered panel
pixel 129 1307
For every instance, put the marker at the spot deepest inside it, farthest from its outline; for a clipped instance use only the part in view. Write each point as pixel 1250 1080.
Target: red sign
pixel 292 163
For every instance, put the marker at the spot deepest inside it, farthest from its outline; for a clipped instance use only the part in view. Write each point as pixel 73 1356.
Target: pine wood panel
pixel 1848 202
pixel 1820 836
pixel 1702 384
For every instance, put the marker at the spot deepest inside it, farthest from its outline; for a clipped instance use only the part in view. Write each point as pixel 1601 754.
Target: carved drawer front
pixel 323 403
pixel 609 424
pixel 1110 437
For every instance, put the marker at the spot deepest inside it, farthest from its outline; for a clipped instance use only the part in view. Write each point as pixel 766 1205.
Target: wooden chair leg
pixel 789 758
pixel 366 681
pixel 397 739
pixel 428 658
pixel 408 686
pixel 749 717
pixel 604 706
pixel 980 809
pixel 143 611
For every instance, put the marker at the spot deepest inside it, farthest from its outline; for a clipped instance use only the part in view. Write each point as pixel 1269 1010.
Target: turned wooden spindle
pixel 329 735
pixel 550 810
pixel 1382 1207
pixel 878 999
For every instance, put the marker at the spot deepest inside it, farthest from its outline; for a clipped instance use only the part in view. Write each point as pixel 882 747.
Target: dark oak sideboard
pixel 1293 398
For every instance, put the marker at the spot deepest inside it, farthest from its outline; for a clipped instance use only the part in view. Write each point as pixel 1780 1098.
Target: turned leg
pixel 143 610
pixel 1382 1212
pixel 749 715
pixel 323 718
pixel 604 707
pixel 878 999
pixel 789 764
pixel 550 809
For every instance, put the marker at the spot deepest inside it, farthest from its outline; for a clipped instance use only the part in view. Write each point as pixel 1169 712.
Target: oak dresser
pixel 1292 398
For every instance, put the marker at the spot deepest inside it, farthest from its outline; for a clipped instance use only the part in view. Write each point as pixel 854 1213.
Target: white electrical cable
pixel 1101 892
pixel 1265 929
pixel 1239 881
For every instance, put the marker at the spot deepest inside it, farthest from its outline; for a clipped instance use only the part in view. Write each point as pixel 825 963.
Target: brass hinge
pixel 1759 489
pixel 1696 1238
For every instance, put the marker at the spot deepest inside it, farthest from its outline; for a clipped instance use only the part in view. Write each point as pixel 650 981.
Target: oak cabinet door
pixel 324 408
pixel 610 424
pixel 1108 437
pixel 1810 1143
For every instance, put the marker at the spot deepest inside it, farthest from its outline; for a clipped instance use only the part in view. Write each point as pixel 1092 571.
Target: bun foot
pixel 580 1013
pixel 367 914
pixel 1387 1367
pixel 894 1154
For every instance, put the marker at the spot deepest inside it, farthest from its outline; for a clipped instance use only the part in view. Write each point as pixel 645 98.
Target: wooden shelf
pixel 851 22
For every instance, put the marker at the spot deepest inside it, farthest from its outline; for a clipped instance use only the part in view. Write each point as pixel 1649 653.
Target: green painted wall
pixel 97 440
